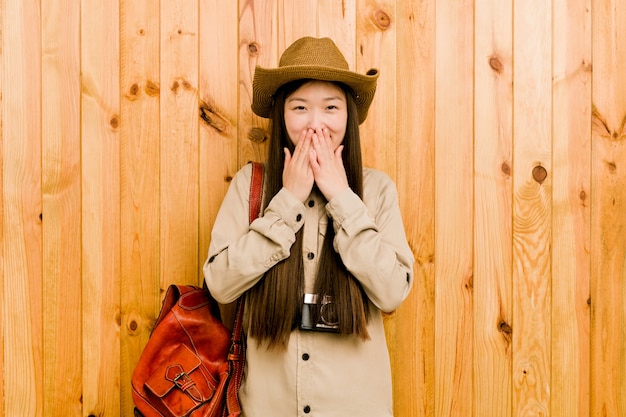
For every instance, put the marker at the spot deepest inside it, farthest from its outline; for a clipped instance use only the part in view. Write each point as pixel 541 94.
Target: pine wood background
pixel 502 122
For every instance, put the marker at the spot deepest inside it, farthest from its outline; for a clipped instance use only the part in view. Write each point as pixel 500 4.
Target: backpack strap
pixel 236 355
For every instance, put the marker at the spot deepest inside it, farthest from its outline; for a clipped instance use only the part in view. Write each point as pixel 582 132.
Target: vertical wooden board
pixel 571 132
pixel 453 208
pixel 258 45
pixel 376 48
pixel 218 112
pixel 337 20
pixel 608 217
pixel 139 184
pixel 100 207
pixel 295 20
pixel 320 18
pixel 413 351
pixel 532 184
pixel 21 209
pixel 179 151
pixel 61 194
pixel 376 40
pixel 493 131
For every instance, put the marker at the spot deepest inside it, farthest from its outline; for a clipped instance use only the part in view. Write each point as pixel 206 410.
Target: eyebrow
pixel 329 98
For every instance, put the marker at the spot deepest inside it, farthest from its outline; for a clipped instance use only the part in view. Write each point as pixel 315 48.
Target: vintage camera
pixel 319 313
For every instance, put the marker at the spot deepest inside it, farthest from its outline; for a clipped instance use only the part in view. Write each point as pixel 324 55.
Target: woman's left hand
pixel 327 164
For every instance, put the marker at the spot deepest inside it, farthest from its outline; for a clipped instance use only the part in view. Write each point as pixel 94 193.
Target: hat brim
pixel 267 81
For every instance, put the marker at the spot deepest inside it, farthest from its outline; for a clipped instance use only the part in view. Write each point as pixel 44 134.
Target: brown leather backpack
pixel 192 365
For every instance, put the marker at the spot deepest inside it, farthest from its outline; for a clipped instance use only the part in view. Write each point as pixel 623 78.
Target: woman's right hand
pixel 297 174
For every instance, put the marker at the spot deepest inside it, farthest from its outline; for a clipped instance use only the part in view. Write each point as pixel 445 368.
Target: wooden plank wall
pixel 503 124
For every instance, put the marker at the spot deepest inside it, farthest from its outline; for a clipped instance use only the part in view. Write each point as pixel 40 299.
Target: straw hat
pixel 317 59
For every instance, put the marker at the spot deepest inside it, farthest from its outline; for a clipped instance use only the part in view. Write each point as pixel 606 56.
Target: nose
pixel 316 120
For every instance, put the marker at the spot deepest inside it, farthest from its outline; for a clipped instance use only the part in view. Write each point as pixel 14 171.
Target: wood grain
pixel 454 297
pixel 608 217
pixel 258 45
pixel 61 195
pixel 122 123
pixel 179 150
pixel 493 208
pixel 532 207
pixel 414 339
pixel 140 296
pixel 218 51
pixel 22 309
pixel 376 37
pixel 571 158
pixel 100 156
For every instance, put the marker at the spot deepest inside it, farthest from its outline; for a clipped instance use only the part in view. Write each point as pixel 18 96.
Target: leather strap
pixel 237 348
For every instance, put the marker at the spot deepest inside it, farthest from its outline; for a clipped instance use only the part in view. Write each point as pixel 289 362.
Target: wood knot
pixel 382 19
pixel 506 169
pixel 496 64
pixel 505 328
pixel 177 84
pixel 611 166
pixel 253 49
pixel 540 174
pixel 256 134
pixel 133 92
pixel 469 284
pixel 152 89
pixel 114 122
pixel 133 326
pixel 212 118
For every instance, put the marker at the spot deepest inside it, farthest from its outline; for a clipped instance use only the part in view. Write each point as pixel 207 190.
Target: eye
pixel 332 107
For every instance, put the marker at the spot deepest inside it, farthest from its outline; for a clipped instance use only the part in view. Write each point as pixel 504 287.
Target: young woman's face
pixel 317 105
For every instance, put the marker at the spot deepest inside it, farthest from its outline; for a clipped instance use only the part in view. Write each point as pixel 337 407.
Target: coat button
pixel 307 409
pixel 311 203
pixel 305 356
pixel 299 217
pixel 310 255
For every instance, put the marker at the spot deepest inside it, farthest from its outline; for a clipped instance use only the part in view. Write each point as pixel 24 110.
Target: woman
pixel 326 257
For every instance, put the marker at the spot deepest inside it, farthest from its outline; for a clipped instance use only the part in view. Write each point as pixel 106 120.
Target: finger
pixel 287 156
pixel 339 151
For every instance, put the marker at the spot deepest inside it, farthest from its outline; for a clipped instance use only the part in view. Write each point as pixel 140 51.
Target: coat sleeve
pixel 371 240
pixel 240 253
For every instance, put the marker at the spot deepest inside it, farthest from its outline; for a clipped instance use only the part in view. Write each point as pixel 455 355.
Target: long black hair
pixel 275 302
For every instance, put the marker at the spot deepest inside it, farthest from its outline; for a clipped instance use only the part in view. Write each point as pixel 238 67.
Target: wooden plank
pixel 337 20
pixel 258 45
pixel 376 48
pixel 218 118
pixel 571 56
pixel 320 18
pixel 61 194
pixel 22 320
pixel 295 20
pixel 532 186
pixel 493 141
pixel 453 208
pixel 608 217
pixel 139 184
pixel 179 149
pixel 100 151
pixel 413 351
